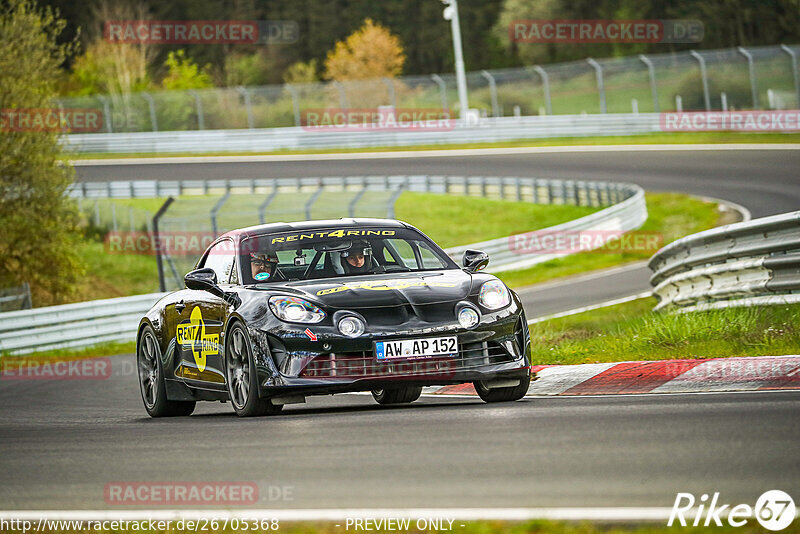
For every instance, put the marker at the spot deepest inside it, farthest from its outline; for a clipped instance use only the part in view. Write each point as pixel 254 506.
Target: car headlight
pixel 468 317
pixel 295 310
pixel 494 295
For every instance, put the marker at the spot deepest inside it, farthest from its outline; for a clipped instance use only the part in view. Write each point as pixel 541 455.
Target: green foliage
pixel 631 331
pixel 184 73
pixel 39 224
pixel 247 70
pixel 302 72
pixel 736 88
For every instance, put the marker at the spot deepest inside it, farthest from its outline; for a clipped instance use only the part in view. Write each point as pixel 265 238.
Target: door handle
pixel 180 307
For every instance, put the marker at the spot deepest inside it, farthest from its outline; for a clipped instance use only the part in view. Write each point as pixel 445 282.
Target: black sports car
pixel 277 312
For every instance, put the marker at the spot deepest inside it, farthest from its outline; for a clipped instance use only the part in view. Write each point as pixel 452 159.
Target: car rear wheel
pixel 151 379
pixel 242 378
pixel 399 395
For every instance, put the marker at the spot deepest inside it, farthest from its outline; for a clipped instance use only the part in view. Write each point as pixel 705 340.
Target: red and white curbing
pixel 664 376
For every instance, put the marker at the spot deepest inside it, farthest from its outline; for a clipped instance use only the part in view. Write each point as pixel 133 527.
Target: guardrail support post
pixel 199 105
pixel 546 86
pixel 752 70
pixel 243 91
pixel 152 106
pixel 795 73
pixel 492 91
pixel 157 242
pixel 601 89
pixel 442 90
pixel 313 199
pixel 351 208
pixel 651 71
pixel 215 210
pixel 704 75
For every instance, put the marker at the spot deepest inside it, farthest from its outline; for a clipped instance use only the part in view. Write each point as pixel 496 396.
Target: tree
pixel 40 224
pixel 301 72
pixel 370 52
pixel 183 73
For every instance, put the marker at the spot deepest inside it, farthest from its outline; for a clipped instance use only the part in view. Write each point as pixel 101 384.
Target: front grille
pixel 363 364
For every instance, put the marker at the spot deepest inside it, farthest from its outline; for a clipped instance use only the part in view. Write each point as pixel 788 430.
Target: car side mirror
pixel 201 279
pixel 475 260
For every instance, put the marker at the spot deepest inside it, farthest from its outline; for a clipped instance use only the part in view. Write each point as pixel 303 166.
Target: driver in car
pixel 263 265
pixel 358 258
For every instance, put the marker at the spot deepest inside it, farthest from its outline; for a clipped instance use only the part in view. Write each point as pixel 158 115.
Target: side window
pixel 429 259
pixel 221 259
pixel 404 249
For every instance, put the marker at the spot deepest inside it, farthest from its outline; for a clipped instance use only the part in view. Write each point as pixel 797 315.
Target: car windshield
pixel 337 252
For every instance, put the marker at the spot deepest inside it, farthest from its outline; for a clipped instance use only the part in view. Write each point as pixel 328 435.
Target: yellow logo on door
pixel 192 334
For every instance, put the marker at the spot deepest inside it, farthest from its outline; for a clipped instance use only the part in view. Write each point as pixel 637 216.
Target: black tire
pixel 512 393
pixel 151 379
pixel 401 395
pixel 241 376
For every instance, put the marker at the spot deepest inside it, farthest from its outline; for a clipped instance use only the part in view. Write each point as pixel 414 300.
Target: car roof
pixel 278 227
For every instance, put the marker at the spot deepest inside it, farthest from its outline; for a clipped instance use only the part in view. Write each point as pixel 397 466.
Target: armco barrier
pixel 485 130
pixel 89 323
pixel 73 325
pixel 743 264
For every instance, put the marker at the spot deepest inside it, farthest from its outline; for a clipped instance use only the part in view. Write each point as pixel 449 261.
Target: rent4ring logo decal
pixel 774 510
pixel 384 285
pixel 192 333
pixel 334 233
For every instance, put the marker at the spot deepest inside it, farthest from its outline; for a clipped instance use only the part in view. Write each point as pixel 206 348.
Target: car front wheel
pixel 399 395
pixel 240 373
pixel 512 393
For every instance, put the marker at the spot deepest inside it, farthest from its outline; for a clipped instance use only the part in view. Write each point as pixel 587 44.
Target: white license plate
pixel 416 348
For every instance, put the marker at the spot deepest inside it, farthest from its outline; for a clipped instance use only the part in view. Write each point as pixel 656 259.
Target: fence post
pixel 795 73
pixel 492 91
pixel 113 217
pixel 390 86
pixel 243 91
pixel 313 199
pixel 601 89
pixel 152 105
pixel 214 212
pixel 393 201
pixel 263 207
pixel 678 103
pixel 651 71
pixel 201 125
pixel 132 219
pixel 752 69
pixel 106 112
pixel 546 85
pixel 724 100
pixel 342 94
pixel 704 76
pixel 295 103
pixel 157 242
pixel 442 90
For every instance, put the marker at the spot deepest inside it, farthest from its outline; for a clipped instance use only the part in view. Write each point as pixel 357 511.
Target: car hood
pixel 398 289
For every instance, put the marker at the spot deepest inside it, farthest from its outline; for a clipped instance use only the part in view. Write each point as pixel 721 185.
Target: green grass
pixel 643 139
pixel 672 215
pixel 632 332
pixel 114 275
pixel 95 351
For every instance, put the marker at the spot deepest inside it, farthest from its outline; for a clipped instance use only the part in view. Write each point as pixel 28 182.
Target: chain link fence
pixel 729 79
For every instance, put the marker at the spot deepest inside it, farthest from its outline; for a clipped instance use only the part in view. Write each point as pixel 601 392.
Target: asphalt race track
pixel 62 442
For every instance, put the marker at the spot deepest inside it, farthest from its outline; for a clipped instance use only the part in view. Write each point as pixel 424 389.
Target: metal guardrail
pixel 744 264
pixel 487 130
pixel 73 325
